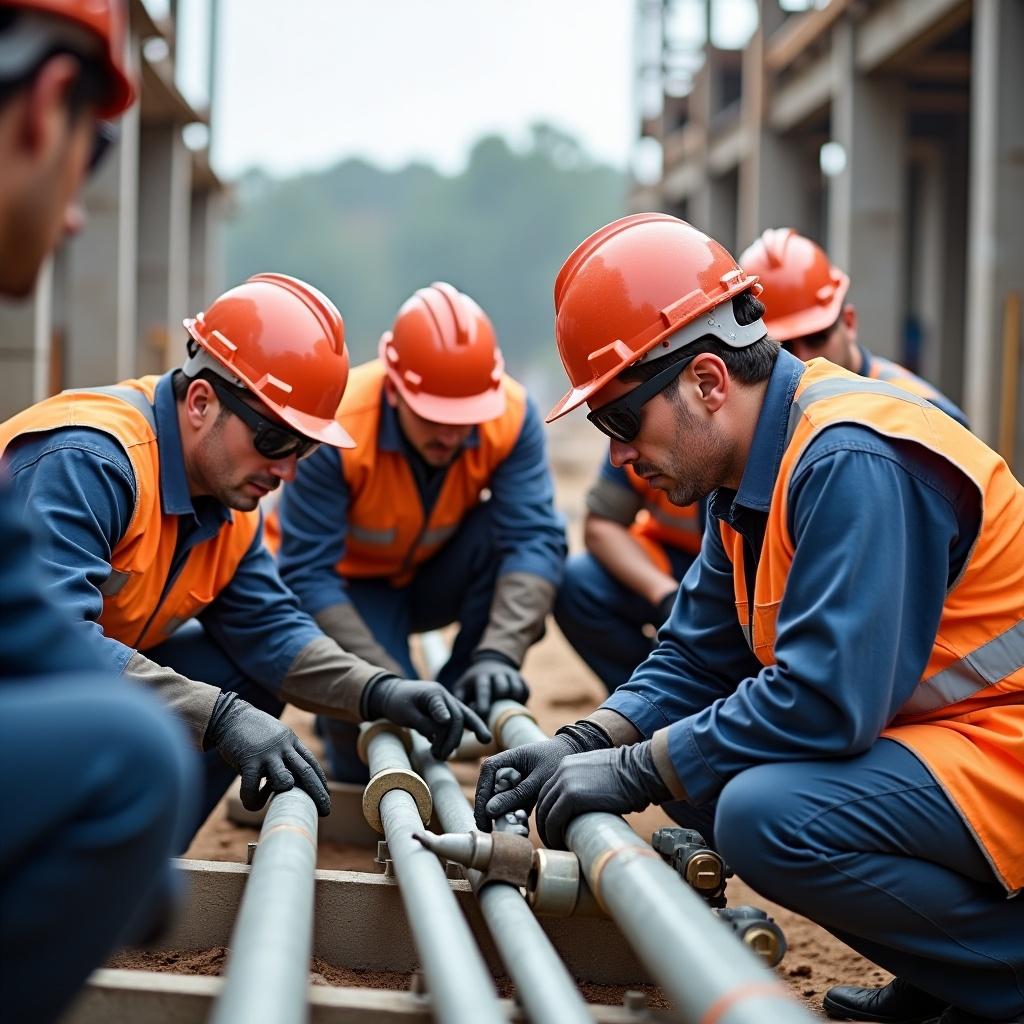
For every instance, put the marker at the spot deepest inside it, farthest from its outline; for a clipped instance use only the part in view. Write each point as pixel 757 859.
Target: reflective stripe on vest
pixel 129 395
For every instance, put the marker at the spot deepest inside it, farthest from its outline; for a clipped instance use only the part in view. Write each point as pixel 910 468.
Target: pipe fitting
pixel 501 719
pixel 371 729
pixel 395 778
pixel 553 887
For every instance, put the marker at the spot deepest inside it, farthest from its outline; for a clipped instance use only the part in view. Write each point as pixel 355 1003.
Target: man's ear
pixel 849 318
pixel 201 403
pixel 391 392
pixel 712 378
pixel 45 115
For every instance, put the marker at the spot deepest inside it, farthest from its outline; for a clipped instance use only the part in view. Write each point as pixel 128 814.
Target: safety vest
pixel 965 719
pixel 142 603
pixel 885 369
pixel 660 522
pixel 388 534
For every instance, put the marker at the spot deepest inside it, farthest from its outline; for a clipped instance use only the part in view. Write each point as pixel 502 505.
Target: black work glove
pixel 490 677
pixel 664 609
pixel 426 707
pixel 618 780
pixel 535 763
pixel 259 747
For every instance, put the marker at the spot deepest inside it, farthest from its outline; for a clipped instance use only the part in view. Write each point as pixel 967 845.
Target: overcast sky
pixel 304 83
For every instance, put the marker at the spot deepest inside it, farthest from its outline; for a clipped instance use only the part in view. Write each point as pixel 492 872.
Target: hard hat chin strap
pixel 198 359
pixel 719 322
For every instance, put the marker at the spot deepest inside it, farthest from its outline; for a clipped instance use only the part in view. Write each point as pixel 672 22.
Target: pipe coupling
pixel 371 729
pixel 395 778
pixel 502 718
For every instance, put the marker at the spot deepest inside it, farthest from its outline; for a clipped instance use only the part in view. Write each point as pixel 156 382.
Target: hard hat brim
pixel 455 412
pixel 325 431
pixel 808 321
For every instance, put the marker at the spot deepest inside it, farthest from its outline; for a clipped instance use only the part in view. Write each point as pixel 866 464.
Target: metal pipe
pixel 702 968
pixel 460 987
pixel 268 967
pixel 543 984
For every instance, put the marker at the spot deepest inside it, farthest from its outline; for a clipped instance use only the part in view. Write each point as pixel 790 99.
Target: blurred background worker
pixel 836 697
pixel 806 311
pixel 98 774
pixel 618 591
pixel 443 512
pixel 146 497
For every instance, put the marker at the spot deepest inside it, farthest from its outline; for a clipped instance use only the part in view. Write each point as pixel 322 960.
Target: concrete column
pixel 713 209
pixel 25 338
pixel 206 250
pixel 165 178
pixel 99 278
pixel 995 260
pixel 865 202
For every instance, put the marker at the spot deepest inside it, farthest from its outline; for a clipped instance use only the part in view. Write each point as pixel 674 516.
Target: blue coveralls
pixel 79 488
pixel 99 783
pixel 603 619
pixel 516 530
pixel 784 764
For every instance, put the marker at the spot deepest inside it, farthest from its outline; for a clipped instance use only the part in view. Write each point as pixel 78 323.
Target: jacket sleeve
pixel 313 514
pixel 612 497
pixel 856 624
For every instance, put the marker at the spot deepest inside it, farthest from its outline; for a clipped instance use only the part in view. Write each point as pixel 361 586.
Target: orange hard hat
pixel 803 292
pixel 442 356
pixel 106 20
pixel 284 341
pixel 631 285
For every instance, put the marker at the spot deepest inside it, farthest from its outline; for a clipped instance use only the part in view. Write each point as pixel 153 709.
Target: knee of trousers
pixel 754 831
pixel 581 595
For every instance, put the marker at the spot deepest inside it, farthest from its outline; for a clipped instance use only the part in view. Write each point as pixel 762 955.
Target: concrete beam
pixel 801 96
pixel 900 29
pixel 996 205
pixel 727 149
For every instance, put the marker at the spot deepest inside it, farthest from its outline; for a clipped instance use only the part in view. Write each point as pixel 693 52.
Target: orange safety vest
pixel 965 720
pixel 140 610
pixel 660 523
pixel 388 535
pixel 885 369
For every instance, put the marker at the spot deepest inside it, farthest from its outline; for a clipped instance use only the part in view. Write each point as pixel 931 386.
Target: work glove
pixel 259 747
pixel 535 763
pixel 617 780
pixel 426 707
pixel 490 677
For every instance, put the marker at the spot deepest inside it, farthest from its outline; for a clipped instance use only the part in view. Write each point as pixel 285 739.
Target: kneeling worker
pixel 838 695
pixel 443 512
pixel 145 497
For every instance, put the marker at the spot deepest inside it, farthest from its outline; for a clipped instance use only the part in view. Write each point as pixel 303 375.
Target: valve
pixel 696 863
pixel 756 930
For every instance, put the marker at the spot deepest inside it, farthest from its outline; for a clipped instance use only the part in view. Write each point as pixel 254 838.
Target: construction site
pixel 884 131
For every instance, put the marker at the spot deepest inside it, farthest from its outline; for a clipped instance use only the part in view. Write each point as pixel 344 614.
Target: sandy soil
pixel 563 690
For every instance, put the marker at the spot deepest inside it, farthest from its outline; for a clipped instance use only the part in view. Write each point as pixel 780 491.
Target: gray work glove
pixel 617 780
pixel 535 763
pixel 259 747
pixel 490 677
pixel 426 707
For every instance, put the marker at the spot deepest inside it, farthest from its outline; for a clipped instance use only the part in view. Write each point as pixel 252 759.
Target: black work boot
pixel 899 1002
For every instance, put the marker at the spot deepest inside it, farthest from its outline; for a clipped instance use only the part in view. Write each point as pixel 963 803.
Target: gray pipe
pixel 698 963
pixel 268 966
pixel 543 985
pixel 460 987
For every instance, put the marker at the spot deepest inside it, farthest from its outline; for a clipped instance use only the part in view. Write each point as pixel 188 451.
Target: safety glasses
pixel 271 440
pixel 105 136
pixel 620 419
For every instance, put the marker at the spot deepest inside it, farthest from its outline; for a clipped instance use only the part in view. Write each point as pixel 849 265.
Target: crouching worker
pixel 443 512
pixel 146 497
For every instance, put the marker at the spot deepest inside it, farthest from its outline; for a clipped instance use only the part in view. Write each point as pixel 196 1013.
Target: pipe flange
pixel 395 778
pixel 511 859
pixel 503 717
pixel 554 884
pixel 371 729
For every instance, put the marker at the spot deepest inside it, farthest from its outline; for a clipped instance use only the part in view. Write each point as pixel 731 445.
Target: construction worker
pixel 618 591
pixel 806 311
pixel 836 697
pixel 443 512
pixel 97 775
pixel 146 495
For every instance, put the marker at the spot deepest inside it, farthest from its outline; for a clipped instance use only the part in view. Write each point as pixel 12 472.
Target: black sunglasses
pixel 105 136
pixel 271 440
pixel 620 419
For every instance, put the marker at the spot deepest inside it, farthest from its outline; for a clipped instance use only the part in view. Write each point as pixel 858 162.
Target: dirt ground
pixel 563 689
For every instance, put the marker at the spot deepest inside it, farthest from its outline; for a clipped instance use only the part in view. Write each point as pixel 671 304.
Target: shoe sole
pixel 839 1011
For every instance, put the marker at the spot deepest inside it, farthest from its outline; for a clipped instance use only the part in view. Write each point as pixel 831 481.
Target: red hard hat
pixel 284 341
pixel 105 19
pixel 803 292
pixel 627 288
pixel 442 356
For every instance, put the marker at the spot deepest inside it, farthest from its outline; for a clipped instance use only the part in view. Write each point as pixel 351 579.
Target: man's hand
pixel 259 747
pixel 489 678
pixel 426 707
pixel 617 780
pixel 535 763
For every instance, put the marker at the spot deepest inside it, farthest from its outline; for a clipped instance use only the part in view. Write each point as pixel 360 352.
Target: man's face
pixel 436 443
pixel 676 450
pixel 229 468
